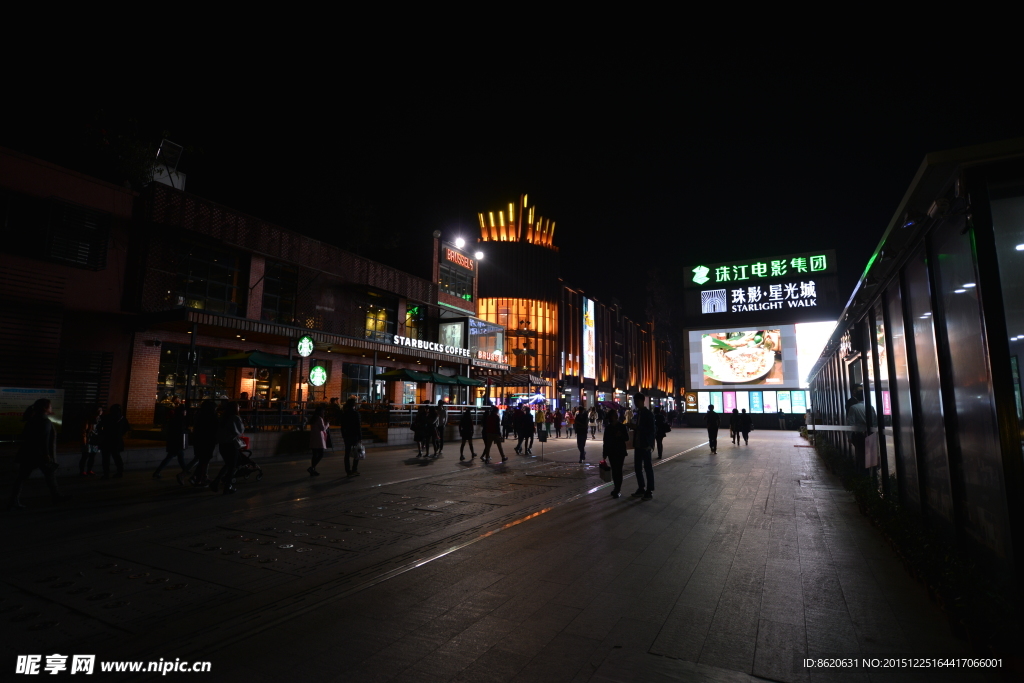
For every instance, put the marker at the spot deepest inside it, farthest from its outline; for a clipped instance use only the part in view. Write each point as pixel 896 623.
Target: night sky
pixel 647 165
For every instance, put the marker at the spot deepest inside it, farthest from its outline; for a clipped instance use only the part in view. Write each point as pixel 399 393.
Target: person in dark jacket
pixel 176 434
pixel 745 423
pixel 228 434
pixel 442 425
pixel 644 431
pixel 466 428
pixel 204 441
pixel 492 435
pixel 507 422
pixel 581 433
pixel 430 433
pixel 616 435
pixel 113 427
pixel 712 420
pixel 90 442
pixel 38 450
pixel 661 428
pixel 352 434
pixel 734 426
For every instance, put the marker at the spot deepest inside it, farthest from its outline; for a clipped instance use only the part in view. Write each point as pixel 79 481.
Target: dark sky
pixel 644 163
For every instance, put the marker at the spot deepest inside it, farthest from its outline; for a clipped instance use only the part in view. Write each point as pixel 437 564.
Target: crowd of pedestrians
pixel 216 428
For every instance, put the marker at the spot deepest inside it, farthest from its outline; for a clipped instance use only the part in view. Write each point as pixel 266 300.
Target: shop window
pixel 280 287
pixel 1008 226
pixel 209 379
pixel 357 380
pixel 209 279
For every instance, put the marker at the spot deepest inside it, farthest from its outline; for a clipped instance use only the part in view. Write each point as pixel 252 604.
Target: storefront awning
pixel 403 375
pixel 255 359
pixel 514 379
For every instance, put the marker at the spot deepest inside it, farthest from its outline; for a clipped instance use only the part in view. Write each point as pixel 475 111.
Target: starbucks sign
pixel 318 375
pixel 305 346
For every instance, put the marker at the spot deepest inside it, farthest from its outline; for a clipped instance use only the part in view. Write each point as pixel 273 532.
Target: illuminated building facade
pixel 559 342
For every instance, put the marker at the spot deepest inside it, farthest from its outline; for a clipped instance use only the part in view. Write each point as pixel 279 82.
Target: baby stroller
pixel 245 465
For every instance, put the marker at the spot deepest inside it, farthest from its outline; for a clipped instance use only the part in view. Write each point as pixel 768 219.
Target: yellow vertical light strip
pixel 491 215
pixel 511 213
pixel 551 235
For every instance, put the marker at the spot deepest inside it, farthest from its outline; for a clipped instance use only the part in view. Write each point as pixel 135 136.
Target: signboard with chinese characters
pixel 589 341
pixel 806 266
pixel 784 289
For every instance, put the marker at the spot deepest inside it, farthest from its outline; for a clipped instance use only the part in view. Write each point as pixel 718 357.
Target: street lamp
pixel 478 255
pixel 459 242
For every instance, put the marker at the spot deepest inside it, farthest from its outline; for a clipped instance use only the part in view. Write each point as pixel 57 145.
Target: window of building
pixel 456 281
pixel 357 380
pixel 209 279
pixel 55 230
pixel 280 287
pixel 415 321
pixel 379 314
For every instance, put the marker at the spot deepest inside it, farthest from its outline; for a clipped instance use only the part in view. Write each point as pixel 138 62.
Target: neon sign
pixel 795 265
pixel 459 259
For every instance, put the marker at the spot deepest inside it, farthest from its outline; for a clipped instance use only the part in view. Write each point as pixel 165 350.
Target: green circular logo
pixel 318 376
pixel 305 346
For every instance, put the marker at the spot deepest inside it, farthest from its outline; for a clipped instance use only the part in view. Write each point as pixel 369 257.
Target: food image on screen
pixel 752 356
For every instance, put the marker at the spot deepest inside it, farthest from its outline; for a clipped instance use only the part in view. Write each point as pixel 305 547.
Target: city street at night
pixel 742 565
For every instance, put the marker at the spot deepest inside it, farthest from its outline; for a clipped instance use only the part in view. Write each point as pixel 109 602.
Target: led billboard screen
pixel 589 341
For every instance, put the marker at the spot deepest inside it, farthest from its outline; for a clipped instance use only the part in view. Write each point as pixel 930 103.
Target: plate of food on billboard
pixel 743 357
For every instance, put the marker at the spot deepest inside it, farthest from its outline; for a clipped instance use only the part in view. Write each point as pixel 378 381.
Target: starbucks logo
pixel 318 376
pixel 305 346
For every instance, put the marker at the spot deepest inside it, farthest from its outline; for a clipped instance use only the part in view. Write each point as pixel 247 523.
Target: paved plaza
pixel 743 564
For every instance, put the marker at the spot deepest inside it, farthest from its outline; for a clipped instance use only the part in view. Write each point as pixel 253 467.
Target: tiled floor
pixel 744 564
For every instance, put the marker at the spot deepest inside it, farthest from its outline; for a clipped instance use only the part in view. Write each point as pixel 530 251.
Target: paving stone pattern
pixel 744 563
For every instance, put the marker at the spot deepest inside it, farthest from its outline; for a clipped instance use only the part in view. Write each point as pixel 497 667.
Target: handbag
pixel 605 470
pixel 362 451
pixel 240 443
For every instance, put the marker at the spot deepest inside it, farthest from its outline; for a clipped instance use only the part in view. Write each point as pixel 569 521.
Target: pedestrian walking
pixel 558 417
pixel 734 423
pixel 712 420
pixel 431 432
pixel 492 435
pixel 644 430
pixel 746 422
pixel 442 425
pixel 204 441
pixel 318 432
pixel 592 422
pixel 661 428
pixel 352 435
pixel 421 432
pixel 38 450
pixel 570 419
pixel 229 442
pixel 782 419
pixel 581 433
pixel 616 435
pixel 90 442
pixel 176 436
pixel 466 429
pixel 113 427
pixel 507 422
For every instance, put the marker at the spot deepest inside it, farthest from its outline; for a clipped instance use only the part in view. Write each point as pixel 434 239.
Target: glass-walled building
pixel 920 383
